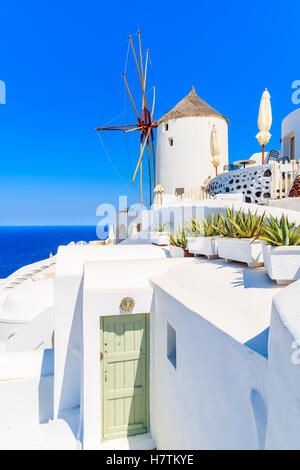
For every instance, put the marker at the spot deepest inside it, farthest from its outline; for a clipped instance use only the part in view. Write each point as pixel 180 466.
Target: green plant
pixel 178 238
pixel 248 225
pixel 193 227
pixel 225 228
pixel 160 228
pixel 209 226
pixel 206 227
pixel 240 224
pixel 280 232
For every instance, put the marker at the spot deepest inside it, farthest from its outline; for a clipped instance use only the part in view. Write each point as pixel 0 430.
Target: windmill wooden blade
pixel 141 58
pixel 154 161
pixel 144 124
pixel 145 76
pixel 134 129
pixel 149 169
pixel 141 154
pixel 116 128
pixel 138 69
pixel 153 104
pixel 136 113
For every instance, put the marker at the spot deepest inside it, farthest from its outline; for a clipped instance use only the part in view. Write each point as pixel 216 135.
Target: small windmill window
pixel 171 141
pixel 166 127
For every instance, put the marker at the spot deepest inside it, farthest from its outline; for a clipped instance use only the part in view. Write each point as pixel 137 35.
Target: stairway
pixel 295 189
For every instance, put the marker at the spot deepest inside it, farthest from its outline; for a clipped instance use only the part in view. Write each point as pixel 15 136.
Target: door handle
pixel 105 376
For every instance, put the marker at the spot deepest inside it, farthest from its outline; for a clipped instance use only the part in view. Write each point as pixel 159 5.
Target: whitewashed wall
pixel 284 371
pixel 26 388
pixel 175 215
pixel 218 395
pixel 103 298
pixel 291 128
pixel 206 402
pixel 68 296
pixel 255 183
pixel 188 162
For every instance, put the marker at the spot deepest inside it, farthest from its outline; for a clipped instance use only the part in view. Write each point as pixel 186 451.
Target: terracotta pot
pixel 187 254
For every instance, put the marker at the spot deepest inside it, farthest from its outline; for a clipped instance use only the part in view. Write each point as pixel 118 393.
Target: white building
pixel 290 132
pixel 183 144
pixel 122 347
pixel 176 367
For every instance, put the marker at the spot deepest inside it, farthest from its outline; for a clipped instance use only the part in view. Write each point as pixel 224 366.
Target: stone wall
pixel 255 183
pixel 295 190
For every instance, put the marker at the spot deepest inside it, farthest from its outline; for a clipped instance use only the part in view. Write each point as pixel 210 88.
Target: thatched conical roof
pixel 191 105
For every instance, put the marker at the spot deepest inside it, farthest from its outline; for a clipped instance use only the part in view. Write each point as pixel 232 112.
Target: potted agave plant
pixel 159 235
pixel 202 239
pixel 192 228
pixel 238 241
pixel 281 249
pixel 178 243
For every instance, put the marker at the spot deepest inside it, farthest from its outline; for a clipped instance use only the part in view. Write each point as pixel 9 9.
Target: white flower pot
pixel 160 238
pixel 282 262
pixel 203 246
pixel 245 250
pixel 191 243
pixel 177 252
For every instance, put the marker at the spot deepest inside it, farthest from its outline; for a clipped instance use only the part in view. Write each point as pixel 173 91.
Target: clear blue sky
pixel 62 63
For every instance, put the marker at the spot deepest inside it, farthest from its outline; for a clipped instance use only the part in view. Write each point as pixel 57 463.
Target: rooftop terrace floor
pixel 233 297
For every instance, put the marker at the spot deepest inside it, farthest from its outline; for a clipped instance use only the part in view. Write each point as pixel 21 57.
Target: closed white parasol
pixel 264 122
pixel 111 236
pixel 215 148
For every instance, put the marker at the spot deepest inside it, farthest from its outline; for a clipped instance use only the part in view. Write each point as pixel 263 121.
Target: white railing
pixel 196 194
pixel 284 175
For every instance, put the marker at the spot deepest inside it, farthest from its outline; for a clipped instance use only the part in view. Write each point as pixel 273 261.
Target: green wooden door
pixel 125 375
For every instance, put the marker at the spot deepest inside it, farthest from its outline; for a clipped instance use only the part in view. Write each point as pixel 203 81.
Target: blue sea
pixel 24 245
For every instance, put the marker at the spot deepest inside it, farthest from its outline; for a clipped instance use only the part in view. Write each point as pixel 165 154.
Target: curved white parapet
pixel 28 301
pixel 255 183
pixel 284 371
pixel 24 295
pixel 177 214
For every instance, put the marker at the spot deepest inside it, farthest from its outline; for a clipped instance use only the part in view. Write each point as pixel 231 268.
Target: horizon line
pixel 51 225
